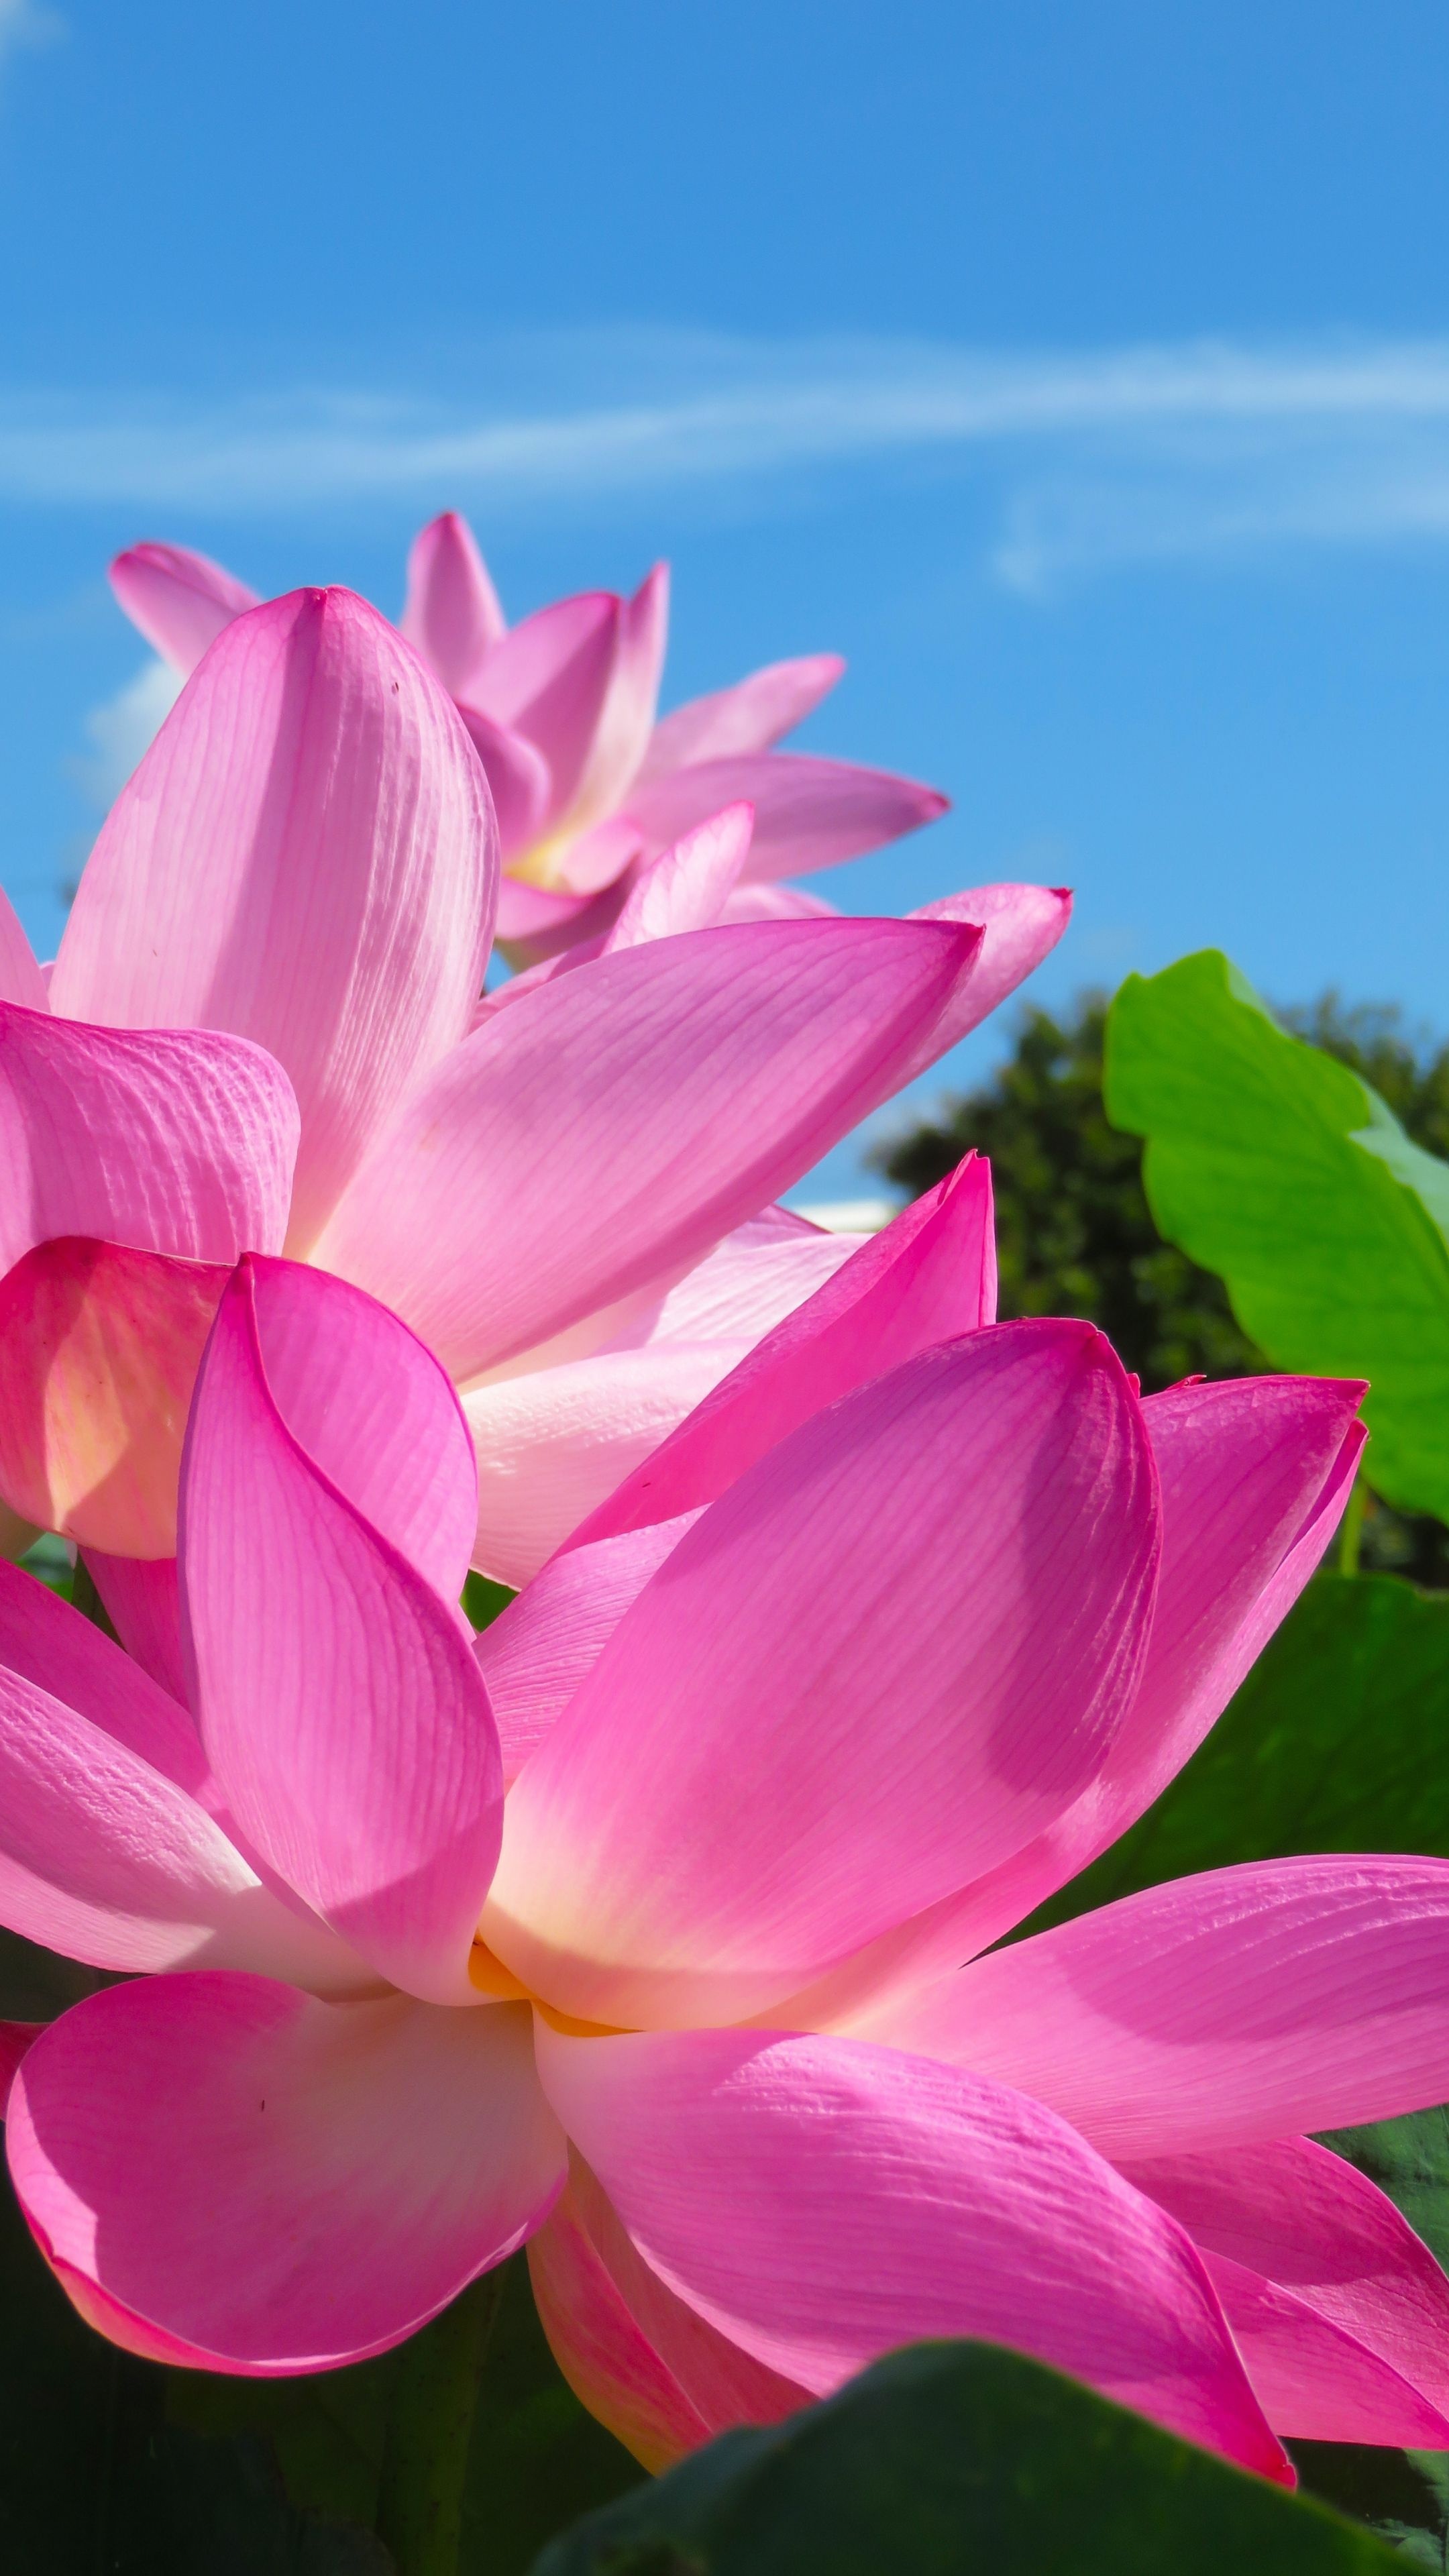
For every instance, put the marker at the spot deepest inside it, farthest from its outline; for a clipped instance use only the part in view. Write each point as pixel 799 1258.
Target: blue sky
pixel 1081 373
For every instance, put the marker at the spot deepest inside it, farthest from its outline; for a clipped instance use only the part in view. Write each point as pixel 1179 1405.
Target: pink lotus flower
pixel 912 1617
pixel 263 1030
pixel 588 786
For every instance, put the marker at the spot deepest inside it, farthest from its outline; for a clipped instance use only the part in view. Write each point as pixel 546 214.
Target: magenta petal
pixel 451 616
pixel 262 2183
pixel 641 2360
pixel 180 600
pixel 17 2038
pixel 45 1641
pixel 1339 2310
pixel 929 1276
pixel 337 1698
pixel 1248 2003
pixel 374 1413
pixel 808 813
pixel 891 1652
pixel 819 2201
pixel 1022 924
pixel 748 717
pixel 171 1140
pixel 143 1604
pixel 306 857
pixel 611 1126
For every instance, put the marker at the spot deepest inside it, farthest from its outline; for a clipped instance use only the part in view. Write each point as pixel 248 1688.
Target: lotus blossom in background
pixel 265 1031
pixel 588 783
pixel 912 1617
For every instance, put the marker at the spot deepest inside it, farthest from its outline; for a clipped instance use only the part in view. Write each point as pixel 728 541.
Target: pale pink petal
pixel 172 1140
pixel 105 1859
pixel 374 1412
pixel 99 1348
pixel 819 2201
pixel 338 1701
pixel 760 1274
pixel 271 2183
pixel 809 813
pixel 687 887
pixel 548 678
pixel 1254 1477
pixel 306 856
pixel 619 1121
pixel 778 903
pixel 592 861
pixel 518 779
pixel 179 600
pixel 927 1277
pixel 1244 2004
pixel 48 1643
pixel 891 1652
pixel 143 1605
pixel 536 1653
pixel 1340 2311
pixel 451 615
pixel 626 718
pixel 645 2363
pixel 21 978
pixel 750 716
pixel 551 1446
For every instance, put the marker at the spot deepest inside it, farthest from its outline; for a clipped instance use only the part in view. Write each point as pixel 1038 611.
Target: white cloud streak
pixel 25 24
pixel 1091 458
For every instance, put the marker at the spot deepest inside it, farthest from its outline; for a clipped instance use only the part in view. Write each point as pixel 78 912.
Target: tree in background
pixel 1074 1232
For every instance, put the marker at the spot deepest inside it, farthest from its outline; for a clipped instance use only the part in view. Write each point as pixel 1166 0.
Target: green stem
pixel 1351 1529
pixel 425 2461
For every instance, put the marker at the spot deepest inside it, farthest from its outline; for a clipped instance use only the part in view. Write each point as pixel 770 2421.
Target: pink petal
pixel 174 1141
pixel 452 616
pixel 809 813
pixel 626 718
pixel 305 856
pixel 1254 1477
pixel 180 600
pixel 99 1348
pixel 1244 2004
pixel 545 918
pixel 518 779
pixel 778 903
pixel 1341 2313
pixel 688 886
pixel 106 1859
pixel 596 855
pixel 45 1641
pixel 374 1413
pixel 760 1274
pixel 21 979
pixel 819 2201
pixel 619 1121
pixel 143 1605
pixel 1022 924
pixel 891 1652
pixel 548 679
pixel 258 2182
pixel 537 1652
pixel 748 717
pixel 647 2365
pixel 340 1706
pixel 551 1446
pixel 930 1275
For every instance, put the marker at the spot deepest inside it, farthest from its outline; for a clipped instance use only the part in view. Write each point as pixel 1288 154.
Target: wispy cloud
pixel 25 24
pixel 1091 458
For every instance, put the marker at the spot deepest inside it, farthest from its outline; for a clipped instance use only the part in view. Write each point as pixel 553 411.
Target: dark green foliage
pixel 955 2460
